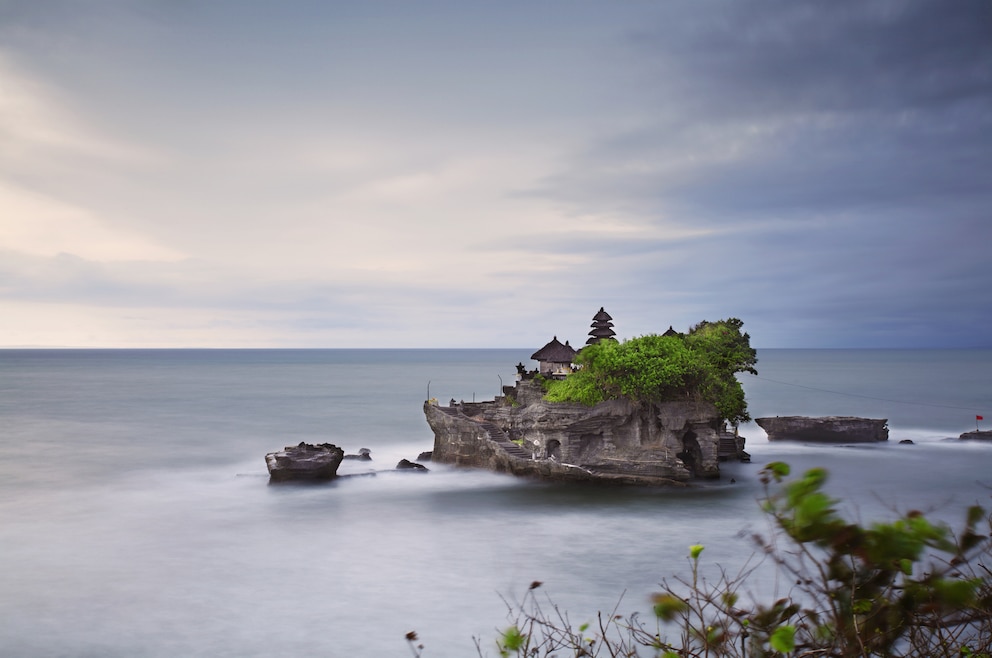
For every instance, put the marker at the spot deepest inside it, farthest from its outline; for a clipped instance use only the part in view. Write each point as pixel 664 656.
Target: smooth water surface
pixel 136 518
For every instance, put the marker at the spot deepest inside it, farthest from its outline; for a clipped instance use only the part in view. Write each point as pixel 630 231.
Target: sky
pixel 238 173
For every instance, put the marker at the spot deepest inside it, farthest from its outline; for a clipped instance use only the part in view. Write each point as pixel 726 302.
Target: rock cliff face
pixel 615 441
pixel 825 429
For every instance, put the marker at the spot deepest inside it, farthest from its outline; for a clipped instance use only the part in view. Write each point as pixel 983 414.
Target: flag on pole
pixel 979 417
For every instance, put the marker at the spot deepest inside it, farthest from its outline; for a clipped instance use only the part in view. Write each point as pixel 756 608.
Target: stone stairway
pixel 495 434
pixel 731 448
pixel 503 441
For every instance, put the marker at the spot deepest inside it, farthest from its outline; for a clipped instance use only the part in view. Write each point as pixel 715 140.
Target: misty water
pixel 136 518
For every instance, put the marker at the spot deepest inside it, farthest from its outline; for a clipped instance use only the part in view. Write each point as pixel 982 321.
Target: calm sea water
pixel 136 518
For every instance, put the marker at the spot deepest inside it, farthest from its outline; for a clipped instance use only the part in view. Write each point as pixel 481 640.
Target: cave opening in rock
pixel 691 455
pixel 553 450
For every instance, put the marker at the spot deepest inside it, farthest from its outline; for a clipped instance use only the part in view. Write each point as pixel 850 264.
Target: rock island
pixel 643 412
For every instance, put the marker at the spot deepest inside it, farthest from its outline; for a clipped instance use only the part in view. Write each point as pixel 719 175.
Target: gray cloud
pixel 839 152
pixel 409 172
pixel 774 55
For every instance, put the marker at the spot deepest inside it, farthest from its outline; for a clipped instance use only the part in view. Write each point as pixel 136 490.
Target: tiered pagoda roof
pixel 602 327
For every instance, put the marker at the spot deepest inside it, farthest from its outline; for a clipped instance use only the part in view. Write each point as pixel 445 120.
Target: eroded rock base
pixel 614 442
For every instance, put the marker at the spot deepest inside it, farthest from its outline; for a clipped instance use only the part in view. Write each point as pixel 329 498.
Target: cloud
pixel 36 225
pixel 34 126
pixel 453 175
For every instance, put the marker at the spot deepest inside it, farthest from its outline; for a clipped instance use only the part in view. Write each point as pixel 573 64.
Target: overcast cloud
pixel 460 174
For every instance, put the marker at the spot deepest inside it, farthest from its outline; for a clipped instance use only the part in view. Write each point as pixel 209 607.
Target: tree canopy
pixel 701 364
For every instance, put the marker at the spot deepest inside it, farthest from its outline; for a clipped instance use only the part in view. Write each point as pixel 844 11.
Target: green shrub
pixel 908 588
pixel 650 369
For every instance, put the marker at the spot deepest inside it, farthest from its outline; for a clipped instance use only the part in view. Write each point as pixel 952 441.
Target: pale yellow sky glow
pixel 46 227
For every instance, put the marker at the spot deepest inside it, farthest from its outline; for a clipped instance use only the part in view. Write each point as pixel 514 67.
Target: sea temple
pixel 616 441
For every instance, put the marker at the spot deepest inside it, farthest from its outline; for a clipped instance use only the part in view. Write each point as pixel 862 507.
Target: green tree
pixel 723 350
pixel 654 368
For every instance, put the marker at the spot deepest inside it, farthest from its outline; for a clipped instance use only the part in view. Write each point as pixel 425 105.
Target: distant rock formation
pixel 615 441
pixel 407 465
pixel 364 454
pixel 983 435
pixel 825 429
pixel 304 462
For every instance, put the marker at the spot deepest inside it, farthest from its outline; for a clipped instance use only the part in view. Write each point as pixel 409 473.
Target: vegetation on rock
pixel 654 368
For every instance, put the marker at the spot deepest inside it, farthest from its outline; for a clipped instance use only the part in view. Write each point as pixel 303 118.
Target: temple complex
pixel 616 441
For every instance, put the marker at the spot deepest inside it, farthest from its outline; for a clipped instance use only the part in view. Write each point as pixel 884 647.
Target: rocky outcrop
pixel 615 441
pixel 977 435
pixel 304 462
pixel 407 465
pixel 364 454
pixel 825 429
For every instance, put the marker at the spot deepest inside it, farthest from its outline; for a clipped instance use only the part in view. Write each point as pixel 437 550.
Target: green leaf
pixel 783 639
pixel 778 470
pixel 957 593
pixel 512 640
pixel 667 606
pixel 861 606
pixel 695 550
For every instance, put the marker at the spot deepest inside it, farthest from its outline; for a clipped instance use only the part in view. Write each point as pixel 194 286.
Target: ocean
pixel 136 518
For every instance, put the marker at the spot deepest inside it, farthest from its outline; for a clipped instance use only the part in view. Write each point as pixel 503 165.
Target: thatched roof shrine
pixel 555 352
pixel 554 358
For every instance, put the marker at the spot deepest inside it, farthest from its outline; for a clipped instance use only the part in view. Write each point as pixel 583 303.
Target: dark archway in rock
pixel 692 454
pixel 553 450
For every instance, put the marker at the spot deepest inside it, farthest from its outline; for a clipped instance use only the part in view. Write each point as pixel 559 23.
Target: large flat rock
pixel 825 429
pixel 304 462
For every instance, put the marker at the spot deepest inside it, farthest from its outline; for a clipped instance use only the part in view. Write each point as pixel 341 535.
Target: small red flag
pixel 979 417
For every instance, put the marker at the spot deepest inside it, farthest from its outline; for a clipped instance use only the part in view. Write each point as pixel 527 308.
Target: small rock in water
pixel 907 441
pixel 364 454
pixel 407 465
